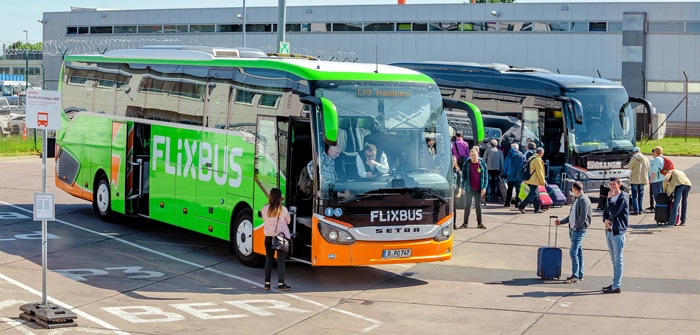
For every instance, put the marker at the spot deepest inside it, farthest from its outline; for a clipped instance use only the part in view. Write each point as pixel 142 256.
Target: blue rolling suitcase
pixel 549 257
pixel 558 198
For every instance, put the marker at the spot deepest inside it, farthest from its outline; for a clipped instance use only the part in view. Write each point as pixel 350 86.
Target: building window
pixel 387 26
pixel 665 27
pixel 259 28
pixel 175 29
pixel 444 26
pixel 5 70
pixel 665 86
pixel 101 30
pixel 597 26
pixel 692 27
pixel 125 29
pixel 579 26
pixel 558 26
pixel 420 26
pixel 229 28
pixel 693 87
pixel 290 27
pixel 150 29
pixel 615 26
pixel 347 26
pixel 202 28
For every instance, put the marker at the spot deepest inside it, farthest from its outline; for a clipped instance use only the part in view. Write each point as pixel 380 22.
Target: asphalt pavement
pixel 488 287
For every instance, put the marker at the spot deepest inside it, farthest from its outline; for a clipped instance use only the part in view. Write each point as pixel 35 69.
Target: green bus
pixel 196 137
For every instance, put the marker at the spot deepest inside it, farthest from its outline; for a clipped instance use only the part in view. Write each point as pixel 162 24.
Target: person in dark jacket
pixel 513 172
pixel 474 181
pixel 616 218
pixel 579 219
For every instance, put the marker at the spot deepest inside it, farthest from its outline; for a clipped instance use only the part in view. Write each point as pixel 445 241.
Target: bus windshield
pixel 390 140
pixel 608 121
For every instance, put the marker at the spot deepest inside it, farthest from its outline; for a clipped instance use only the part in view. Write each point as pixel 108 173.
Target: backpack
pixel 668 166
pixel 526 168
pixel 305 182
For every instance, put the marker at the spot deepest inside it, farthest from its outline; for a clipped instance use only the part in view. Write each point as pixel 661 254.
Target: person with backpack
pixel 513 172
pixel 537 178
pixel 656 178
pixel 639 176
pixel 677 185
pixel 460 150
pixel 494 162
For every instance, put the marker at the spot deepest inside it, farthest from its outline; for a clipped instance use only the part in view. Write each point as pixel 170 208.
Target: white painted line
pixel 64 305
pixel 17 325
pixel 375 323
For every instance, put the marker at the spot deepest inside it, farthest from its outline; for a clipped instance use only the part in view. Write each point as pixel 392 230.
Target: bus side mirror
pixel 578 111
pixel 329 117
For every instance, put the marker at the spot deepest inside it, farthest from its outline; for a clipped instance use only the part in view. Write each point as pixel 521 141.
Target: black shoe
pixel 611 290
pixel 266 287
pixel 480 226
pixel 506 205
pixel 454 227
pixel 609 287
pixel 522 210
pixel 283 287
pixel 463 226
pixel 650 208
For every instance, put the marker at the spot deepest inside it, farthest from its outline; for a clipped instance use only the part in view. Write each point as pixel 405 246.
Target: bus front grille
pixel 67 167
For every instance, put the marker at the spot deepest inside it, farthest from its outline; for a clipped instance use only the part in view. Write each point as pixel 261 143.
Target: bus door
pixel 270 157
pixel 120 172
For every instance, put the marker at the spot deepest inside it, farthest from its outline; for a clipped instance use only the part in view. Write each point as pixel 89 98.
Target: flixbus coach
pixel 197 136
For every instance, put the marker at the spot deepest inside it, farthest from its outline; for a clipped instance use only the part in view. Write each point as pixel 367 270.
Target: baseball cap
pixel 636 149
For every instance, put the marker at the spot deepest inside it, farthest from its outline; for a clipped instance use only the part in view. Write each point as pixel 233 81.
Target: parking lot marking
pixel 16 325
pixel 373 323
pixel 64 305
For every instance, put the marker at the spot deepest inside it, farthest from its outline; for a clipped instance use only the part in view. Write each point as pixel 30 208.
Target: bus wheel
pixel 101 199
pixel 241 239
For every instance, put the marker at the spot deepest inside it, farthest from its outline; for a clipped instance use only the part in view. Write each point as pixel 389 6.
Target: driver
pixel 368 166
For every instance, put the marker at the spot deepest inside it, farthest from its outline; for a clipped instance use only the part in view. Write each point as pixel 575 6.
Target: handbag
pixel 280 243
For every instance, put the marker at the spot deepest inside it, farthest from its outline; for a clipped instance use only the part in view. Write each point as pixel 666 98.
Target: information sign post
pixel 43 112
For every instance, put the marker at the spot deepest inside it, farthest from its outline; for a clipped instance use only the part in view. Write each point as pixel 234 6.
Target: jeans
pixel 532 196
pixel 270 258
pixel 680 194
pixel 576 252
pixel 494 178
pixel 616 244
pixel 472 195
pixel 655 188
pixel 637 197
pixel 513 185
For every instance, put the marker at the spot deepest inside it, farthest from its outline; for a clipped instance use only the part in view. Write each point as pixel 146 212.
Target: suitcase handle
pixel 556 232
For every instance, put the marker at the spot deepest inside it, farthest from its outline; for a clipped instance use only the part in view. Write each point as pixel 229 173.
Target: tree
pixel 19 45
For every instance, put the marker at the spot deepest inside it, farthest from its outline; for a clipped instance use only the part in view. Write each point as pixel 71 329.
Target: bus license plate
pixel 397 253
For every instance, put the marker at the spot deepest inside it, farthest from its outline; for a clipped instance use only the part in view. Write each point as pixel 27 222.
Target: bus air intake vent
pixel 67 167
pixel 226 53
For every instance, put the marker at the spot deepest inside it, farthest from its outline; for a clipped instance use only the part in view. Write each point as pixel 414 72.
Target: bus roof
pixel 307 68
pixel 523 80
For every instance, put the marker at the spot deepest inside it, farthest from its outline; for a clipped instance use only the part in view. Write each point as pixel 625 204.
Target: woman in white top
pixel 275 221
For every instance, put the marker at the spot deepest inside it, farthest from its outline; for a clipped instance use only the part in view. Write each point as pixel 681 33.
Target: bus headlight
pixel 335 235
pixel 444 232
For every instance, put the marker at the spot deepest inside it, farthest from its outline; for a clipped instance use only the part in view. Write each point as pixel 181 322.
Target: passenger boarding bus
pixel 586 125
pixel 196 137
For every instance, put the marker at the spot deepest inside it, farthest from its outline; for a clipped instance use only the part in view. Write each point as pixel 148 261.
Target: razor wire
pixel 98 46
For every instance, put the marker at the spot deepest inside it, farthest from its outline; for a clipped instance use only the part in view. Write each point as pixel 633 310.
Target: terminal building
pixel 649 47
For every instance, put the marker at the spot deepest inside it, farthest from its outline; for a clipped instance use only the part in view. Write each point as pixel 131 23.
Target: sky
pixel 23 15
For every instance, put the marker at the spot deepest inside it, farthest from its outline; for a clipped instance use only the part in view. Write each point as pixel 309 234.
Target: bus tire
pixel 102 199
pixel 241 240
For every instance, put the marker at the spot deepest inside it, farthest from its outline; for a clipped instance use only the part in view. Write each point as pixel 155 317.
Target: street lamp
pixel 26 60
pixel 243 17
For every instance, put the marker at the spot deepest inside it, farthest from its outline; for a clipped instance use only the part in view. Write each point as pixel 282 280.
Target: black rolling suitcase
pixel 603 197
pixel 662 209
pixel 549 257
